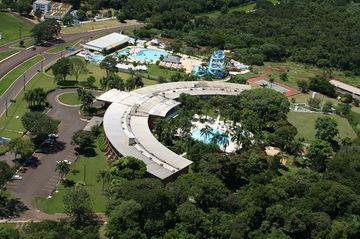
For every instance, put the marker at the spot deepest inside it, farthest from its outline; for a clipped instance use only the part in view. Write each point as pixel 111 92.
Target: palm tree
pixel 206 132
pixel 104 176
pixel 63 168
pixel 224 140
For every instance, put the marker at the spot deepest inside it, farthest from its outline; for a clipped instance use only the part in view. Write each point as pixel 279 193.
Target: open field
pixel 4 54
pixel 70 98
pixel 62 47
pixel 298 71
pixel 244 7
pixel 91 166
pixel 91 26
pixel 9 78
pixel 305 124
pixel 11 126
pixel 10 27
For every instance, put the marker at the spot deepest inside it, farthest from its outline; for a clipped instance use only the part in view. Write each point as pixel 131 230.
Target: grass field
pixel 71 98
pixel 305 124
pixel 91 26
pixel 62 47
pixel 156 71
pixel 298 71
pixel 11 126
pixel 4 54
pixel 10 27
pixel 92 166
pixel 9 78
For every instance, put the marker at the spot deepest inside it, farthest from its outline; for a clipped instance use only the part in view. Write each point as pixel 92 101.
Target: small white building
pixel 107 43
pixel 42 5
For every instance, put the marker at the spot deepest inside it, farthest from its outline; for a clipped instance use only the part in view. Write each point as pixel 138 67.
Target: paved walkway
pixel 41 181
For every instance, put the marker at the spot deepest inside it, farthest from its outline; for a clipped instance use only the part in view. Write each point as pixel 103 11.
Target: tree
pixel 326 128
pixel 322 85
pixel 90 81
pixel 109 65
pixel 24 7
pixel 103 176
pixel 35 97
pixel 68 20
pixel 284 76
pixel 78 66
pixel 87 99
pixel 314 102
pixel 22 147
pixel 121 17
pixel 112 82
pixel 62 68
pixel 39 124
pixel 319 152
pixel 63 168
pixel 206 132
pixel 125 220
pixel 83 139
pixel 45 30
pixel 5 173
pixel 327 107
pixel 303 85
pixel 38 13
pixel 128 167
pixel 202 189
pixel 77 205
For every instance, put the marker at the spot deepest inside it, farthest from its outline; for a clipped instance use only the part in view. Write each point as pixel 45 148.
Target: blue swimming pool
pixel 142 54
pixel 196 134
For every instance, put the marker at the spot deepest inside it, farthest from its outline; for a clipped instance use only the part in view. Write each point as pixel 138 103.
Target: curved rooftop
pixel 126 121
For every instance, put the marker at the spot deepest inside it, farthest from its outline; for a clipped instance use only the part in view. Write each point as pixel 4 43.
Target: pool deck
pixel 290 91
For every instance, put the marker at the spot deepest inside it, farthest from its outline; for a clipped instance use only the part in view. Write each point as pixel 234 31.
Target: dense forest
pixel 324 33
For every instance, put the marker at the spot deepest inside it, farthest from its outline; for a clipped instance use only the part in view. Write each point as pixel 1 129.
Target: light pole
pixel 6 106
pixel 24 81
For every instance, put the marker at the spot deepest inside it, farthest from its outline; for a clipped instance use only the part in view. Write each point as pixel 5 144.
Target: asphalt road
pixel 25 54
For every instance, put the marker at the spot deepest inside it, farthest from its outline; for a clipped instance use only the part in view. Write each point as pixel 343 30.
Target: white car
pixel 66 161
pixel 16 177
pixel 55 136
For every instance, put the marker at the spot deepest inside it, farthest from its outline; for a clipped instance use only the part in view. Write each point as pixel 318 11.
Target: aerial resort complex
pixel 179 119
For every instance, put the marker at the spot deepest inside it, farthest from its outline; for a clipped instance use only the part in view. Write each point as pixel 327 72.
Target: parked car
pixel 53 136
pixel 31 162
pixel 66 161
pixel 16 177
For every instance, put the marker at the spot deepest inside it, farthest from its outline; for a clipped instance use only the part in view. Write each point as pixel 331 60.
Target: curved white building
pixel 127 119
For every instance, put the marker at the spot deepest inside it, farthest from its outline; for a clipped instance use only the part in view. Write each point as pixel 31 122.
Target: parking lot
pixel 40 181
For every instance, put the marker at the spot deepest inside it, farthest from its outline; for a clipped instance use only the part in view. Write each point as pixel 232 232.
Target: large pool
pixel 142 54
pixel 196 134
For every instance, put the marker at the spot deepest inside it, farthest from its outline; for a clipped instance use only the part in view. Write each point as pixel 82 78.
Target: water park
pixel 135 54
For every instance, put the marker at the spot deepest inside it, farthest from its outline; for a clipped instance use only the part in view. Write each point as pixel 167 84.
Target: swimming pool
pixel 196 134
pixel 142 54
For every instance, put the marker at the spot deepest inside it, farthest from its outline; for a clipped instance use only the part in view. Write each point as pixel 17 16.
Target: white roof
pixel 128 117
pixel 42 2
pixel 107 42
pixel 346 87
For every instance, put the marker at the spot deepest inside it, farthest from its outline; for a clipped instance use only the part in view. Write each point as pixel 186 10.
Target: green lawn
pixel 11 126
pixel 305 124
pixel 71 98
pixel 62 47
pixel 10 28
pixel 4 54
pixel 9 78
pixel 156 71
pixel 92 166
